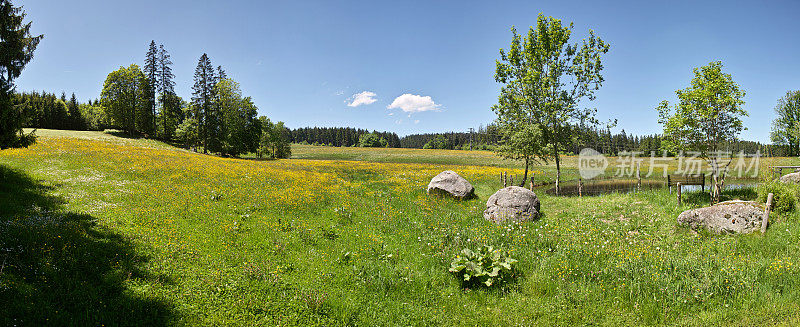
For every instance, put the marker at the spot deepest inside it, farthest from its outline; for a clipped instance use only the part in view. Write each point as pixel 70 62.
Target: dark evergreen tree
pixel 171 113
pixel 16 50
pixel 203 102
pixel 221 73
pixel 151 72
pixel 76 120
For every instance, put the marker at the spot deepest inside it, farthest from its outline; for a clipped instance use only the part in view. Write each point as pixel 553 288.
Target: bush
pixel 372 140
pixel 486 266
pixel 784 196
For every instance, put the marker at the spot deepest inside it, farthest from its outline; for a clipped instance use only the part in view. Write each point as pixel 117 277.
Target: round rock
pixel 792 178
pixel 729 217
pixel 512 204
pixel 450 183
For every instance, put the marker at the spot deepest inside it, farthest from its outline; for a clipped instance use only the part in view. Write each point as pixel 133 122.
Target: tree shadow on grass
pixel 59 268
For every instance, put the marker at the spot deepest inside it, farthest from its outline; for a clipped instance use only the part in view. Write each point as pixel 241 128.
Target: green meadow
pixel 101 230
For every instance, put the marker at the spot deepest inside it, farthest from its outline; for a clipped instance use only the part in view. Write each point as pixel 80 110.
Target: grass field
pixel 101 230
pixel 545 171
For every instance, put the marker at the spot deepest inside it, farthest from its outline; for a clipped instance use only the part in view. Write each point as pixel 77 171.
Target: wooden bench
pixel 673 180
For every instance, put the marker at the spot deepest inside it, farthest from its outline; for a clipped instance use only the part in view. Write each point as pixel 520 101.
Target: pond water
pixel 592 188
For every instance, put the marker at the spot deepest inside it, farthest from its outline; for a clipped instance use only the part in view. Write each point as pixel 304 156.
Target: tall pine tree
pixel 76 120
pixel 171 114
pixel 203 102
pixel 151 72
pixel 221 75
pixel 164 71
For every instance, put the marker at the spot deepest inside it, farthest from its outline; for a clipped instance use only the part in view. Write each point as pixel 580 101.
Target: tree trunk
pixel 525 177
pixel 558 169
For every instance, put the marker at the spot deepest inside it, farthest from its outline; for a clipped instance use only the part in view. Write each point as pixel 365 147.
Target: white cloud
pixel 414 103
pixel 363 98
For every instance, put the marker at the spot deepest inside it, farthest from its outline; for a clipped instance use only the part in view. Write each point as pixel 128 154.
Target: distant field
pixel 544 171
pixel 101 230
pixel 400 155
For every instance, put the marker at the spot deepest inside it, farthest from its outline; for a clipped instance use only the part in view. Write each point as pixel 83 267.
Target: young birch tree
pixel 707 117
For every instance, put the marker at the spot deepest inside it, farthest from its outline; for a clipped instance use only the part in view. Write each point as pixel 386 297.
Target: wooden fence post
pixel 678 189
pixel 765 219
pixel 580 187
pixel 638 178
pixel 703 186
pixel 512 180
pixel 505 179
pixel 669 184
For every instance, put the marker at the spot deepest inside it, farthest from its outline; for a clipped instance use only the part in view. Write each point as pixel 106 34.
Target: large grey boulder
pixel 729 217
pixel 449 182
pixel 792 178
pixel 512 204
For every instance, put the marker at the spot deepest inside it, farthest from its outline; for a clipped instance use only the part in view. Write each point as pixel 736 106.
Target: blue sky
pixel 304 61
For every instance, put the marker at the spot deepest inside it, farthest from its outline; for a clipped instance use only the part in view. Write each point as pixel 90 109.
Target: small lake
pixel 599 187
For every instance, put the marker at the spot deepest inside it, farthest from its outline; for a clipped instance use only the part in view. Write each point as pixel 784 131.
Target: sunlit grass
pixel 220 241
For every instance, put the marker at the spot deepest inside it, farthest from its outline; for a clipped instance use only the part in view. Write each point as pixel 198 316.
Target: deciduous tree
pixel 707 117
pixel 240 130
pixel 544 78
pixel 523 142
pixel 274 141
pixel 786 126
pixel 186 133
pixel 125 98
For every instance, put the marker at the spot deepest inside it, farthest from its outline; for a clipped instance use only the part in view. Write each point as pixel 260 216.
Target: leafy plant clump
pixel 487 266
pixel 784 196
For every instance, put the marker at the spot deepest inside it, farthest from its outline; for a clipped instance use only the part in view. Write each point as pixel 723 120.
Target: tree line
pixel 340 136
pixel 484 138
pixel 488 138
pixel 142 101
pixel 218 119
pixel 47 110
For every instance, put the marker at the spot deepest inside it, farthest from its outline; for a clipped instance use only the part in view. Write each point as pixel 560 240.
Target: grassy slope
pixel 115 231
